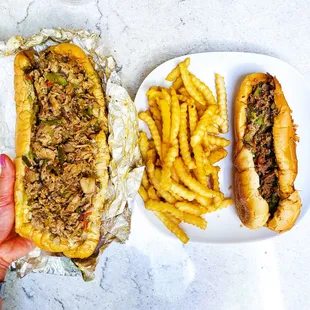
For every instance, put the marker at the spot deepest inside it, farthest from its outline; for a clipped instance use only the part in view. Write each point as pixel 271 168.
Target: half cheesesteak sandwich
pixel 61 149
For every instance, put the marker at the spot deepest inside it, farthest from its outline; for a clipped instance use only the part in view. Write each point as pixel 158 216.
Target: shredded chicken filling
pixel 60 180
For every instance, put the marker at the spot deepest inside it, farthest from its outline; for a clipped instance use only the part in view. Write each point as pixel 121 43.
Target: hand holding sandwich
pixel 12 246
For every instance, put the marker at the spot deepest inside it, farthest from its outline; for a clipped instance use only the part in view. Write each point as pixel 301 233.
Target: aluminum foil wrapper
pixel 125 166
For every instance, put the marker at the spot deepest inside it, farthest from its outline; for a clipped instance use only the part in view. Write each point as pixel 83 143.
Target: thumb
pixel 7 179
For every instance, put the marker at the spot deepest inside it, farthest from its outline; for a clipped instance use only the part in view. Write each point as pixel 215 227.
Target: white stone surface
pixel 152 271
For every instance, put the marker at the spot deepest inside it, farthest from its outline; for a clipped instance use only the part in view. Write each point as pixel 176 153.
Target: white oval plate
pixel 224 226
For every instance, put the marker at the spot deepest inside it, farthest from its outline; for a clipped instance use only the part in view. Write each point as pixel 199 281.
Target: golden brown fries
pixel 195 220
pixel 175 73
pixel 145 180
pixel 217 155
pixel 222 101
pixel 154 109
pixel 219 141
pixel 202 125
pixel 175 117
pixel 192 115
pixel 183 139
pixel 160 206
pixel 180 183
pixel 143 193
pixel 152 193
pixel 200 169
pixel 147 118
pixel 172 154
pixel 172 218
pixel 189 86
pixel 182 191
pixel 153 180
pixel 191 182
pixel 189 207
pixel 173 227
pixel 178 83
pixel 204 89
pixel 143 145
pixel 166 119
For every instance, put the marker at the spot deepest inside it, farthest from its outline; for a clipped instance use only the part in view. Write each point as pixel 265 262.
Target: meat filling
pixel 60 180
pixel 258 138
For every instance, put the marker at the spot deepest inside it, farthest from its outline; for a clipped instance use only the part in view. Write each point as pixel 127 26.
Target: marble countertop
pixel 152 271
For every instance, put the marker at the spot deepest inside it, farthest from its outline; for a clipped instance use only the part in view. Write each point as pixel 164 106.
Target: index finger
pixel 7 179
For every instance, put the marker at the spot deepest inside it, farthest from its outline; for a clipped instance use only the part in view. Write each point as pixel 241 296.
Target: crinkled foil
pixel 125 166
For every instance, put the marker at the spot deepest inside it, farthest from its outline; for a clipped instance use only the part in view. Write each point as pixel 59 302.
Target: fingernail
pixel 2 160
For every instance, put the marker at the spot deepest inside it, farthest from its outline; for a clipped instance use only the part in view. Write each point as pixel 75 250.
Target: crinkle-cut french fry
pixel 175 73
pixel 172 154
pixel 190 87
pixel 200 108
pixel 157 174
pixel 190 207
pixel 207 167
pixel 214 147
pixel 166 94
pixel 164 194
pixel 192 183
pixel 143 193
pixel 224 204
pixel 219 141
pixel 195 220
pixel 172 218
pixel 183 139
pixel 151 144
pixel 193 117
pixel 151 89
pixel 173 227
pixel 152 94
pixel 174 175
pixel 184 92
pixel 178 83
pixel 176 196
pixel 183 98
pixel 175 116
pixel 209 147
pixel 160 206
pixel 216 119
pixel 217 155
pixel 166 119
pixel 151 155
pixel 144 116
pixel 215 179
pixel 145 181
pixel 206 153
pixel 204 201
pixel 204 89
pixel 182 191
pixel 156 114
pixel 212 129
pixel 200 113
pixel 222 101
pixel 200 170
pixel 152 193
pixel 202 125
pixel 165 181
pixel 143 145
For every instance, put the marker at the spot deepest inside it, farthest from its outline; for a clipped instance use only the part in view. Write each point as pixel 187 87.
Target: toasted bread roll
pixel 61 149
pixel 265 156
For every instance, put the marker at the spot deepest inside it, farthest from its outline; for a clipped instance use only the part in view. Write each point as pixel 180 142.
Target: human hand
pixel 12 246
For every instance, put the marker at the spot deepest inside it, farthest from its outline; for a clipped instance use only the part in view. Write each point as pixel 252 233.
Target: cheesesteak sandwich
pixel 265 156
pixel 61 149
